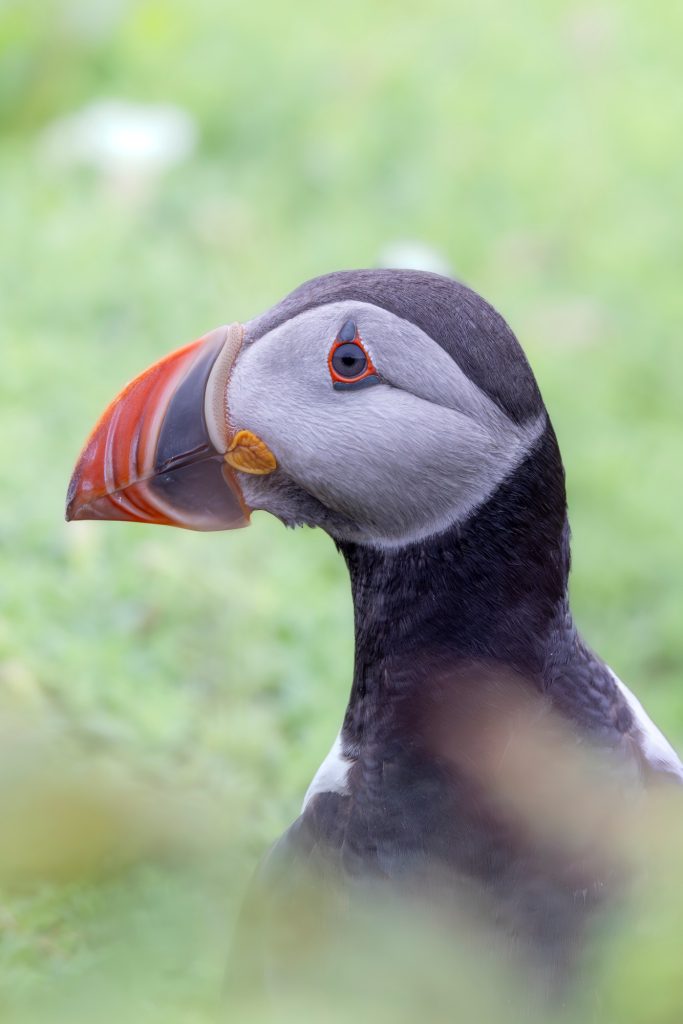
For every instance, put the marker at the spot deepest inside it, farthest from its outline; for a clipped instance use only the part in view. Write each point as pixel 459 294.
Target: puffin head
pixel 384 406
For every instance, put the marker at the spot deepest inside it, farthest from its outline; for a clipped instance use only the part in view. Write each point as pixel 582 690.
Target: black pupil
pixel 349 360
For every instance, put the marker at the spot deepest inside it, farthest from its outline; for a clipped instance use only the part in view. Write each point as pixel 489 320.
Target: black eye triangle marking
pixel 348 331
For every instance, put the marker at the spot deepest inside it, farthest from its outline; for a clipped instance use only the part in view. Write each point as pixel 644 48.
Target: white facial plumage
pixel 384 465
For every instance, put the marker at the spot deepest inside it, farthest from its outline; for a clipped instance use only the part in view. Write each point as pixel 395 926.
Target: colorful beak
pixel 158 453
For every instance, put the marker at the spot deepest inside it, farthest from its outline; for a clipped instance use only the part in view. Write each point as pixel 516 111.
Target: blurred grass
pixel 537 148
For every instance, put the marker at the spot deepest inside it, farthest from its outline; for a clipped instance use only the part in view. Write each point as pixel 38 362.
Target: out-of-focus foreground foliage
pixel 165 698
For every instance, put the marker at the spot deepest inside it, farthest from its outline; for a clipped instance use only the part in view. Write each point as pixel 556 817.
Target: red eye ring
pixel 349 362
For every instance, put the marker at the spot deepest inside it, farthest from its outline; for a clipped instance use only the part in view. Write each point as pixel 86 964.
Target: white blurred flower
pixel 122 140
pixel 412 255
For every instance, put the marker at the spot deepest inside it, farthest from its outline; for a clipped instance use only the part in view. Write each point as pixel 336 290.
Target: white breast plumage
pixel 331 775
pixel 654 745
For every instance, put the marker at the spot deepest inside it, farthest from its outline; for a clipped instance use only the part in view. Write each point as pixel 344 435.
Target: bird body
pixel 397 411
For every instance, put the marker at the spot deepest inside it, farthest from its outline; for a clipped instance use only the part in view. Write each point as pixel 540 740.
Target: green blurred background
pixel 165 698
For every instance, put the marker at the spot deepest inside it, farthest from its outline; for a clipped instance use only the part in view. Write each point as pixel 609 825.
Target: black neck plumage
pixel 491 590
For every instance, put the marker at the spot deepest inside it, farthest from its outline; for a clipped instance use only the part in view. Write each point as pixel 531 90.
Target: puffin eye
pixel 349 360
pixel 349 363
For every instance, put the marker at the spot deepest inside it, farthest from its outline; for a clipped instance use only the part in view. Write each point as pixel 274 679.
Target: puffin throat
pixel 492 589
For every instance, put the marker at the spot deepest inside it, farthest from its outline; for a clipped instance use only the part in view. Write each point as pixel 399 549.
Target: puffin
pixel 396 411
